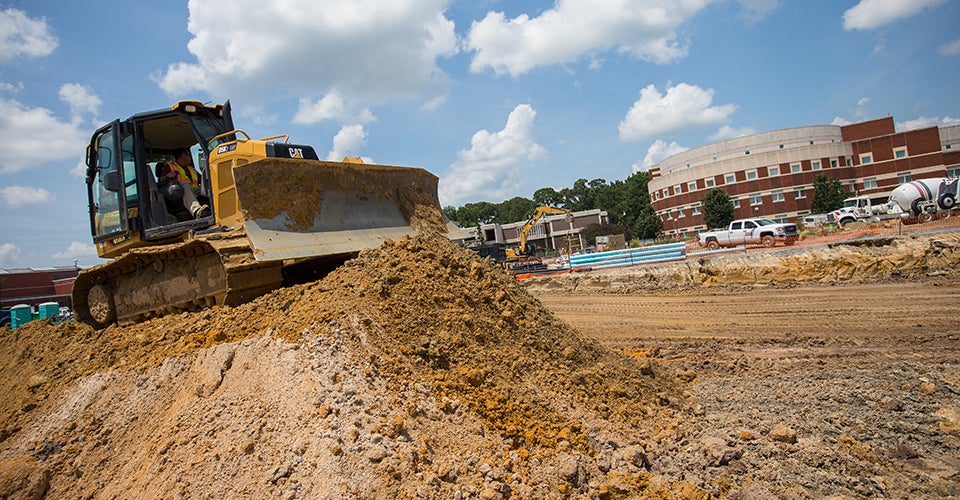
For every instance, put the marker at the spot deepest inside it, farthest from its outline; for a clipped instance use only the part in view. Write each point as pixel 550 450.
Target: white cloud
pixel 840 121
pixel 656 153
pixel 369 51
pixel 32 136
pixel 348 141
pixel 755 10
pixel 927 121
pixel 684 106
pixel 728 132
pixel 492 168
pixel 863 101
pixel 21 196
pixel 24 36
pixel 870 14
pixel 9 253
pixel 11 88
pixel 80 99
pixel 76 250
pixel 79 170
pixel 330 107
pixel 951 48
pixel 645 29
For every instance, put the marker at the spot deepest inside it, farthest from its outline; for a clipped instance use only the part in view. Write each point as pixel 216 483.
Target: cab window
pixel 105 188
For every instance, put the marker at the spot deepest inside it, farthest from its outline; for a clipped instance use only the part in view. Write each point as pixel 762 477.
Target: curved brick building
pixel 771 174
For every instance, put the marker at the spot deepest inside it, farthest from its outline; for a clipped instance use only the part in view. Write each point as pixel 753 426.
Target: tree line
pixel 627 204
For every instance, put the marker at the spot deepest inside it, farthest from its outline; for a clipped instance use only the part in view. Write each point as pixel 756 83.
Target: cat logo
pixel 296 153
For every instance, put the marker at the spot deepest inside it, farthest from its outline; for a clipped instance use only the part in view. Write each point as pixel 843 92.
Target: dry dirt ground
pixel 420 371
pixel 816 372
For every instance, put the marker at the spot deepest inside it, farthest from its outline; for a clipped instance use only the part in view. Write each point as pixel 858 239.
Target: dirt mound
pixel 414 370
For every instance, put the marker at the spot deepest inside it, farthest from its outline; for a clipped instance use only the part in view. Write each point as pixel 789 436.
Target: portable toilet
pixel 49 310
pixel 20 314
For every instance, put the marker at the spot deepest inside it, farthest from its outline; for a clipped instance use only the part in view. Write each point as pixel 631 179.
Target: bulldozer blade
pixel 294 209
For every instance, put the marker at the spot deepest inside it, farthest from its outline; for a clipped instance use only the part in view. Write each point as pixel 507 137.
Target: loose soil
pixel 418 370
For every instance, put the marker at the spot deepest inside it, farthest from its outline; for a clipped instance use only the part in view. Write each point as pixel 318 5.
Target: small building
pixel 35 286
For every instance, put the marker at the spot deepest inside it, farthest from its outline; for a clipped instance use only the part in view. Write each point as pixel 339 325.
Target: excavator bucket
pixel 295 209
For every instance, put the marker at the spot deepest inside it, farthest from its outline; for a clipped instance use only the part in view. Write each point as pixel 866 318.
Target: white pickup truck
pixel 757 231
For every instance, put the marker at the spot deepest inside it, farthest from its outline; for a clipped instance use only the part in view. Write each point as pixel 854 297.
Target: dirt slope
pixel 415 370
pixel 418 370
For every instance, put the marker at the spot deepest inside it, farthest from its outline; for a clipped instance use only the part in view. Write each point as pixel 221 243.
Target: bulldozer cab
pixel 126 204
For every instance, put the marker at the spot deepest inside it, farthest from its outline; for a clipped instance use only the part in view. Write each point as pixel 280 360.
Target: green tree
pixel 450 212
pixel 582 195
pixel 648 225
pixel 717 208
pixel 548 196
pixel 515 209
pixel 474 214
pixel 828 195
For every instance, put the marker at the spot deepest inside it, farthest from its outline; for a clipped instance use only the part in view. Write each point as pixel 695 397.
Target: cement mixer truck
pixel 925 196
pixel 920 198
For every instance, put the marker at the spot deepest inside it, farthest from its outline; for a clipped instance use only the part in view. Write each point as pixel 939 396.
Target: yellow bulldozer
pixel 274 214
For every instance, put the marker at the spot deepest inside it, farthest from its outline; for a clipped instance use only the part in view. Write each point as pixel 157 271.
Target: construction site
pixel 419 370
pixel 334 343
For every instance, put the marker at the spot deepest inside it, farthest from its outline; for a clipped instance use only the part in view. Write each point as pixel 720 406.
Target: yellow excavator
pixel 521 251
pixel 276 214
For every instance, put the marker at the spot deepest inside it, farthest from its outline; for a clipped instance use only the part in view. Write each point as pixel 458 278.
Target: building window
pixel 833 163
pixel 666 192
pixel 953 172
pixel 782 218
pixel 680 213
pixel 900 153
pixel 904 177
pixel 870 183
pixel 692 186
pixel 746 152
pixel 736 203
pixel 709 183
pixel 730 179
pixel 756 199
pixel 773 171
pixel 866 158
pixel 777 196
pixel 799 193
pixel 695 210
pixel 677 189
pixel 751 175
pixel 794 167
pixel 815 164
pixel 781 146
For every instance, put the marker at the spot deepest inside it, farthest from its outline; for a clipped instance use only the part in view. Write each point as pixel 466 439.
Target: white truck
pixel 756 231
pixel 919 198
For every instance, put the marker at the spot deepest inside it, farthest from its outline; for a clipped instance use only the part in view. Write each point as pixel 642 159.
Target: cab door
pixel 111 188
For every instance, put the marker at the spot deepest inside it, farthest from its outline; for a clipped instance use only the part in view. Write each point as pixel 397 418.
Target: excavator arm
pixel 531 222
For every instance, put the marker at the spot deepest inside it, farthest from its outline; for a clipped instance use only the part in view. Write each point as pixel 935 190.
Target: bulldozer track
pixel 206 270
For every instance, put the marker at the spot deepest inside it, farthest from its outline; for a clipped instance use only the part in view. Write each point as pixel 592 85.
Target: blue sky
pixel 496 97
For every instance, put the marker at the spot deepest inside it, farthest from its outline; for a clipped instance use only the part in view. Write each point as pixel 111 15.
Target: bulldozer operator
pixel 179 180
